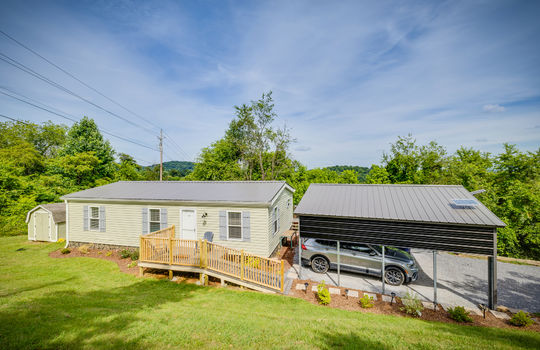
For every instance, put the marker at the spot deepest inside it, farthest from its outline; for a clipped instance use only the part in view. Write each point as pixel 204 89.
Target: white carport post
pixel 338 266
pixel 382 270
pixel 434 280
pixel 299 253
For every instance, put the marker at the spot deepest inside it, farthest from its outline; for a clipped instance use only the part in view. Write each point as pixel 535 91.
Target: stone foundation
pixel 102 246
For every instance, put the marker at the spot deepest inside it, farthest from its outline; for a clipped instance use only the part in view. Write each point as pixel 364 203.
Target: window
pixel 94 218
pixel 332 244
pixel 275 219
pixel 358 248
pixel 154 221
pixel 234 224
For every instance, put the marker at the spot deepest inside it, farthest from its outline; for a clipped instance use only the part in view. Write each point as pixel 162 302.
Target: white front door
pixel 188 224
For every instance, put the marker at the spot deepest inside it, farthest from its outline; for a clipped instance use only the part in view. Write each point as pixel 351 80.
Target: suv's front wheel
pixel 394 276
pixel 319 264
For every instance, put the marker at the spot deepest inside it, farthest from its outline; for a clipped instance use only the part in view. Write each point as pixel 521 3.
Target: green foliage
pixel 459 314
pixel 361 172
pixel 323 294
pixel 134 255
pixel 124 253
pixel 366 301
pixel 65 251
pixel 109 253
pixel 132 264
pixel 412 305
pixel 521 319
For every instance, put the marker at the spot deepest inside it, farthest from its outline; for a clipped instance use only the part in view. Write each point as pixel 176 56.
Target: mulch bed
pixel 341 301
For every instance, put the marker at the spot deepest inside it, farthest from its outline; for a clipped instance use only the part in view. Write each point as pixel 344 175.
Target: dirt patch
pixel 341 301
pixel 110 255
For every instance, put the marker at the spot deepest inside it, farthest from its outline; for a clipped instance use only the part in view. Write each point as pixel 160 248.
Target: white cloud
pixel 493 108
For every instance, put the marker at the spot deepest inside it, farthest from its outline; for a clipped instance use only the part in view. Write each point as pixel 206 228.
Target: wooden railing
pixel 164 248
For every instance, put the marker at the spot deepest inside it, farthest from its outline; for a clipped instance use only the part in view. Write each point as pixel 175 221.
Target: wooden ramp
pixel 161 250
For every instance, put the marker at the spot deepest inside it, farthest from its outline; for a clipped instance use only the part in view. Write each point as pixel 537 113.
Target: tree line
pixel 40 163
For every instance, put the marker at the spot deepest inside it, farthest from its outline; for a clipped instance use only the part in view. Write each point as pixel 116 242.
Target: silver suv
pixel 400 266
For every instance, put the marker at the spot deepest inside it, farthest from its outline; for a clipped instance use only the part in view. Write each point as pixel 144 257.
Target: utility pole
pixel 160 155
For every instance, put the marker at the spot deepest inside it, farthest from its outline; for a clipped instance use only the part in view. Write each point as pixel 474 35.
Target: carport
pixel 434 217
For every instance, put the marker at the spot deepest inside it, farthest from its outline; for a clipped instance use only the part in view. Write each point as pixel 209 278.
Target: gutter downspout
pixel 67 223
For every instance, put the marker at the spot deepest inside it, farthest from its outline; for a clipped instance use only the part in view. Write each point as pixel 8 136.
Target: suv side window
pixel 332 244
pixel 359 248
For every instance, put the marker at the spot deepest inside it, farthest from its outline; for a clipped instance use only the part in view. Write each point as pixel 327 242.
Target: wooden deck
pixel 161 249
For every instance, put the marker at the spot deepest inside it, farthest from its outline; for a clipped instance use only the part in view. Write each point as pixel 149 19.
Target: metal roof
pixel 189 191
pixel 58 211
pixel 419 203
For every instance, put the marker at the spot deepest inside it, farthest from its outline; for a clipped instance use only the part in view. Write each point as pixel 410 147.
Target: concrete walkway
pixel 461 281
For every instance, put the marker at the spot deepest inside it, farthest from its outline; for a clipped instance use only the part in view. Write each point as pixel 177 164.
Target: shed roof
pixel 195 191
pixel 58 211
pixel 419 203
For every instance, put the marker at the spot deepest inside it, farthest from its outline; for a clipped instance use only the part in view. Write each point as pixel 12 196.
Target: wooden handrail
pixel 158 247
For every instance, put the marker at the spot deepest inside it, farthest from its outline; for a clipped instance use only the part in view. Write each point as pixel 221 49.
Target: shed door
pixel 42 226
pixel 189 224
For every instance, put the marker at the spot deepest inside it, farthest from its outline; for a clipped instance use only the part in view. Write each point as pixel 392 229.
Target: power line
pixel 173 143
pixel 67 116
pixel 77 79
pixel 15 120
pixel 30 71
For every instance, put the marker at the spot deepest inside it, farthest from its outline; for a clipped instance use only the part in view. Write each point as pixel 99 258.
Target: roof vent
pixel 465 203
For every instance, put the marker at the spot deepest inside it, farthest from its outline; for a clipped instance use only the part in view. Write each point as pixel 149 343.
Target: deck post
pixel 242 266
pixel 141 271
pixel 170 247
pixel 200 253
pixel 170 274
pixel 282 275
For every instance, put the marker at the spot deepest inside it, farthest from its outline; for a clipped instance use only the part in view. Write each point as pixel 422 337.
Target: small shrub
pixel 134 255
pixel 124 253
pixel 412 305
pixel 65 251
pixel 459 314
pixel 84 248
pixel 132 264
pixel 323 294
pixel 109 253
pixel 521 319
pixel 366 301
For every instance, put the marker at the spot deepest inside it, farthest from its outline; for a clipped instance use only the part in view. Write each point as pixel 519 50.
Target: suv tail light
pixel 303 247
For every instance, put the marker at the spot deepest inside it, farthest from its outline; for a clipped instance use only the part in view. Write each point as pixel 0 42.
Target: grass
pixel 88 303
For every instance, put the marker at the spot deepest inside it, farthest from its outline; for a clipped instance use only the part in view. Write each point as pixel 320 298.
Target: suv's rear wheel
pixel 394 276
pixel 319 264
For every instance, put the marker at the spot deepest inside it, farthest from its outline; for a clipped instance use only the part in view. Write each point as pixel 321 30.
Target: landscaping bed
pixel 342 301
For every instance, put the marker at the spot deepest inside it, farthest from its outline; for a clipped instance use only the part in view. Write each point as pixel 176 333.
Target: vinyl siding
pixel 124 224
pixel 285 219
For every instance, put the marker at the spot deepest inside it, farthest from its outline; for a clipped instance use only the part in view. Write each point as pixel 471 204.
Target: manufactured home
pixel 47 222
pixel 247 215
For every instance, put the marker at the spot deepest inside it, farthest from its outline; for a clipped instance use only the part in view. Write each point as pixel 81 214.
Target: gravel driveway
pixel 461 281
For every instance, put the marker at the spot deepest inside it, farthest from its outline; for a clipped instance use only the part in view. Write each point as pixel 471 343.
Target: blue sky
pixel 347 77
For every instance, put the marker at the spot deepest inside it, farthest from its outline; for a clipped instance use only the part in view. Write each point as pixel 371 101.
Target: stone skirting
pixel 102 246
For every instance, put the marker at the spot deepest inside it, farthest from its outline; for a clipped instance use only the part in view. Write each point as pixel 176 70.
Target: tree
pixel 128 169
pixel 84 137
pixel 377 175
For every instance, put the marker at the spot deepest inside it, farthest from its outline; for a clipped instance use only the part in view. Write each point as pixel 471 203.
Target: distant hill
pixel 177 167
pixel 361 170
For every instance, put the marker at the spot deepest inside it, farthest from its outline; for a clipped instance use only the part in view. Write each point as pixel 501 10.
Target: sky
pixel 348 77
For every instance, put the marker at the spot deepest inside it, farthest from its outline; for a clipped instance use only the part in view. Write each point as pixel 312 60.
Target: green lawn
pixel 88 303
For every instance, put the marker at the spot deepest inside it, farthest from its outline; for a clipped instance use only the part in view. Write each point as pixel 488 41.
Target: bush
pixel 323 294
pixel 134 255
pixel 109 253
pixel 124 253
pixel 65 251
pixel 459 314
pixel 366 301
pixel 412 305
pixel 84 248
pixel 521 319
pixel 132 264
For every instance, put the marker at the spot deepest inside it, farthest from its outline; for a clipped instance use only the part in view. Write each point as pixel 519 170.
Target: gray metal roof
pixel 58 211
pixel 189 191
pixel 420 203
